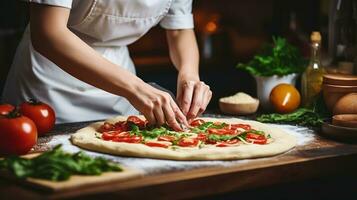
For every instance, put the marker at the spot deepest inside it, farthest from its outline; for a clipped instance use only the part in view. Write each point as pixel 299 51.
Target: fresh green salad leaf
pixel 279 58
pixel 57 165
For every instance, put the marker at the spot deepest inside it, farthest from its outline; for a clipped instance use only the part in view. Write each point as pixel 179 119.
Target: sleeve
pixel 179 15
pixel 60 3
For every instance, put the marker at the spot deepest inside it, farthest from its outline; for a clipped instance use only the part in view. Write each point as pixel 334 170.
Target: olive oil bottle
pixel 311 81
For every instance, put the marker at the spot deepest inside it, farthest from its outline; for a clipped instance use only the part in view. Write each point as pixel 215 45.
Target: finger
pixel 150 117
pixel 196 101
pixel 159 116
pixel 180 117
pixel 206 99
pixel 186 100
pixel 170 117
pixel 179 94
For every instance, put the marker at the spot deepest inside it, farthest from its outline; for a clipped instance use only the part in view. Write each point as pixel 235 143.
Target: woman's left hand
pixel 193 95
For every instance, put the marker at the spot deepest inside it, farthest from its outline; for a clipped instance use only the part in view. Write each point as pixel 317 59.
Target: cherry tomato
pixel 243 126
pixel 128 139
pixel 197 122
pixel 18 134
pixel 188 142
pixel 137 121
pixel 41 114
pixel 167 138
pixel 5 109
pixel 285 98
pixel 158 144
pixel 227 143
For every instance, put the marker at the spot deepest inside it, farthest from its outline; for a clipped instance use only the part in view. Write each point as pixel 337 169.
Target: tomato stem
pixel 33 101
pixel 14 113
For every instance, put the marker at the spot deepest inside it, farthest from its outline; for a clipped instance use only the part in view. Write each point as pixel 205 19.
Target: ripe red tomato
pixel 166 138
pixel 106 127
pixel 137 121
pixel 41 114
pixel 158 144
pixel 202 137
pixel 128 139
pixel 5 109
pixel 188 142
pixel 197 122
pixel 256 138
pixel 227 143
pixel 243 126
pixel 18 134
pixel 222 131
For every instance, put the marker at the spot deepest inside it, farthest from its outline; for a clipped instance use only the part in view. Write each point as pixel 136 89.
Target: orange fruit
pixel 285 98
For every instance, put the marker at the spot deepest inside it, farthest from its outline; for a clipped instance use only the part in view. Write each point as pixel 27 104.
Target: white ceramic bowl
pixel 266 84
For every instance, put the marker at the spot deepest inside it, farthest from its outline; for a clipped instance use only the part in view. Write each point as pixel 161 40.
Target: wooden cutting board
pixel 78 181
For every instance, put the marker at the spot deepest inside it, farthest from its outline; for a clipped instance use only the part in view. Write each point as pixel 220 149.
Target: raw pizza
pixel 205 139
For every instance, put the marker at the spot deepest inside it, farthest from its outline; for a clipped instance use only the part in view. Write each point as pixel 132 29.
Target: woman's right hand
pixel 157 106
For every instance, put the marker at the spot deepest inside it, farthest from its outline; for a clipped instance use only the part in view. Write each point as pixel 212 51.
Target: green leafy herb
pixel 279 58
pixel 302 116
pixel 154 133
pixel 57 165
pixel 216 138
pixel 203 127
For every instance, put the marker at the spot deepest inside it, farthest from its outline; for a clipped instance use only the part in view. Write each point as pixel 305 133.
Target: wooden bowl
pixel 239 108
pixel 345 120
pixel 340 79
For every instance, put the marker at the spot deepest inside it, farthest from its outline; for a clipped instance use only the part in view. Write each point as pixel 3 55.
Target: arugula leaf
pixel 57 165
pixel 279 58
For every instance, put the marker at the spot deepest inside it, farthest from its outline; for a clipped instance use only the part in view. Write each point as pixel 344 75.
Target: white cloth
pixel 107 26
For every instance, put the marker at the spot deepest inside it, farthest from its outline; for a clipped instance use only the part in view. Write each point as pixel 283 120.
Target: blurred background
pixel 228 32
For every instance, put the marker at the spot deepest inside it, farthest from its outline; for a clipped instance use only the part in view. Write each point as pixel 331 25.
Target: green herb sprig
pixel 302 116
pixel 279 58
pixel 57 165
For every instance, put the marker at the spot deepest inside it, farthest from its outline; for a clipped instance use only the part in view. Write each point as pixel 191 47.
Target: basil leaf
pixel 57 165
pixel 216 138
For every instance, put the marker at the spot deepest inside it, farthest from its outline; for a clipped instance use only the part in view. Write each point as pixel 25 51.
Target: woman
pixel 73 55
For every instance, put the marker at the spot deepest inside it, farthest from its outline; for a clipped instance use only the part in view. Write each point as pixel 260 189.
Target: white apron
pixel 107 26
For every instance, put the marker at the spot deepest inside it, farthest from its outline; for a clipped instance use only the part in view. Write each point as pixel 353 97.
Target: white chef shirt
pixel 107 26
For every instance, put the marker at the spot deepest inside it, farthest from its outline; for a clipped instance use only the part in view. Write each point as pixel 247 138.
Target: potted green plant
pixel 277 62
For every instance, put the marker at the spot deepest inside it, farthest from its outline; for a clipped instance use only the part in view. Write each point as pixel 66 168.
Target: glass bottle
pixel 311 81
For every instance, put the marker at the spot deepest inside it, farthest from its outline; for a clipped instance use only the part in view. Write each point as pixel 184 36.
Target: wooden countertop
pixel 321 157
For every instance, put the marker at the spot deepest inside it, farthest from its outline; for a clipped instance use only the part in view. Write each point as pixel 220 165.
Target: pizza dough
pixel 87 138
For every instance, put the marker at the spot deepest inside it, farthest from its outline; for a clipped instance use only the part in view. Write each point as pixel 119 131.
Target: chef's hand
pixel 157 106
pixel 193 95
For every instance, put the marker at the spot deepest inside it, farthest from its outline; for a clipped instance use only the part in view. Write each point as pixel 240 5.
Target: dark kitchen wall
pixel 13 20
pixel 228 32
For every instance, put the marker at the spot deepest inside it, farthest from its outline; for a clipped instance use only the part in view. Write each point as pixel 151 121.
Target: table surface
pixel 320 157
